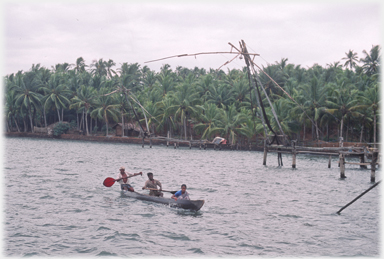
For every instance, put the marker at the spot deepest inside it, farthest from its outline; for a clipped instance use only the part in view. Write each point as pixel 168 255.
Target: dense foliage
pixel 341 99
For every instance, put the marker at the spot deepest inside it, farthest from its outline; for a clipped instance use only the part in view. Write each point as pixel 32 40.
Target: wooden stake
pixel 329 162
pixel 265 152
pixel 293 154
pixel 362 160
pixel 342 166
pixel 373 166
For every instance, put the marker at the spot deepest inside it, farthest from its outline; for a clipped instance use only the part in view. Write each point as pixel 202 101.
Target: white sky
pixel 135 32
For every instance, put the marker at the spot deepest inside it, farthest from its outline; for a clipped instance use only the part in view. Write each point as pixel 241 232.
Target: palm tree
pixel 11 109
pixel 230 124
pixel 185 101
pixel 220 94
pixel 105 107
pixel 371 61
pixel 99 67
pixel 108 66
pixel 56 94
pixel 314 95
pixel 26 94
pixel 80 65
pixel 342 103
pixel 370 100
pixel 351 59
pixel 208 120
pixel 83 101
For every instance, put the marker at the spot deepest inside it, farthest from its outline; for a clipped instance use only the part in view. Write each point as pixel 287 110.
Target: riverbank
pixel 171 142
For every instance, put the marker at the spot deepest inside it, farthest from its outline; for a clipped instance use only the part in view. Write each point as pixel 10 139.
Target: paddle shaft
pixel 125 177
pixel 109 181
pixel 173 192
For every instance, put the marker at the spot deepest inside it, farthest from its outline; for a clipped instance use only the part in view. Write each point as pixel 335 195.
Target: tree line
pixel 342 99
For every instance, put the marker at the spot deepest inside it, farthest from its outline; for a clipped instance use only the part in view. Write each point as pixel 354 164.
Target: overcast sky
pixel 127 31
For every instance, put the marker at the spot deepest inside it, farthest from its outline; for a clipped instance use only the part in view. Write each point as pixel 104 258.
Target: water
pixel 56 205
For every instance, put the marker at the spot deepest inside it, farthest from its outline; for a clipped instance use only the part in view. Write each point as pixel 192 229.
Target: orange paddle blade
pixel 109 181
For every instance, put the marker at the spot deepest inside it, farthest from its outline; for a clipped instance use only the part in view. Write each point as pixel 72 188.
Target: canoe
pixel 184 204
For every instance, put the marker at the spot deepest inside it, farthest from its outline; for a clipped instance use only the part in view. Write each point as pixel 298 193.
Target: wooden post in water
pixel 293 153
pixel 329 162
pixel 174 145
pixel 143 142
pixel 342 165
pixel 265 152
pixel 168 138
pixel 190 145
pixel 362 160
pixel 373 166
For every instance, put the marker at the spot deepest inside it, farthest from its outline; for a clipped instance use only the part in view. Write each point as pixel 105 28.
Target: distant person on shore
pixel 152 184
pixel 122 178
pixel 181 194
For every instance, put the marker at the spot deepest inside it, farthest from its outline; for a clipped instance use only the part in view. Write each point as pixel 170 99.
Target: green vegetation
pixel 341 99
pixel 60 128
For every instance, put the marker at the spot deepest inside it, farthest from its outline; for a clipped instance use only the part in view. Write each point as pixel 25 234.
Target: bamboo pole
pixel 358 197
pixel 201 53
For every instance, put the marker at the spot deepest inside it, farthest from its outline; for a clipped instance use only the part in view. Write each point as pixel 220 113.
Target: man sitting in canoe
pixel 152 184
pixel 122 178
pixel 182 194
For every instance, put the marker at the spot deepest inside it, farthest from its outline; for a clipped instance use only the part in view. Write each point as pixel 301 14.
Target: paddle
pixel 173 192
pixel 109 181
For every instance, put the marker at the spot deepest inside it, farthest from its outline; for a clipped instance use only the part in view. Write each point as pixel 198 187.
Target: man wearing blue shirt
pixel 181 194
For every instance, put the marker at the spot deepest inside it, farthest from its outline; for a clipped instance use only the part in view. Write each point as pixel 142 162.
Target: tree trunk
pixel 86 122
pixel 77 118
pixel 341 126
pixel 30 117
pixel 7 124
pixel 58 114
pixel 361 133
pixel 185 128
pixel 90 120
pixel 45 118
pixel 25 124
pixel 81 127
pixel 106 123
pixel 17 125
pixel 374 128
pixel 122 121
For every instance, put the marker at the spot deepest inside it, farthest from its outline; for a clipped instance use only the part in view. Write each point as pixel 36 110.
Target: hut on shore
pixel 130 129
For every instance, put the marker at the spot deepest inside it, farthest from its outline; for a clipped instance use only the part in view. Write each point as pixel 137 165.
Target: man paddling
pixel 182 194
pixel 122 178
pixel 152 184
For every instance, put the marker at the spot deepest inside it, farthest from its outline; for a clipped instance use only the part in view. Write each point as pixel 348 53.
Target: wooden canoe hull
pixel 184 204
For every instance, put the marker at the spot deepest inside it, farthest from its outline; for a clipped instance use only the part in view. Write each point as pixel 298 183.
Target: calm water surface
pixel 56 205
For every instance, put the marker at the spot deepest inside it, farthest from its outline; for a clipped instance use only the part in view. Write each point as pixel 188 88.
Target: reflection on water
pixel 58 206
